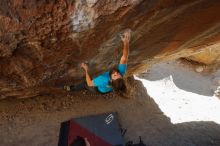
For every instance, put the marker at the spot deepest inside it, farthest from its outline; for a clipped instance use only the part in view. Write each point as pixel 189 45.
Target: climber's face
pixel 115 75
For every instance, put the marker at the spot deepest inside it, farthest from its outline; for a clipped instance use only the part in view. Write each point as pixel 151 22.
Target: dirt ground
pixel 36 121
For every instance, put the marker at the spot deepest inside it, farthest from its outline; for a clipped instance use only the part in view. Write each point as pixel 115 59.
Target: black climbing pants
pixel 83 86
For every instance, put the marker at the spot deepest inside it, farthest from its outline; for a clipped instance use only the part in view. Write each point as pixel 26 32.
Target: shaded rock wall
pixel 43 42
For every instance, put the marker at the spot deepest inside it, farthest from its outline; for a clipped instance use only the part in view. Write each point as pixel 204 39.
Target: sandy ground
pixel 185 76
pixel 184 95
pixel 36 121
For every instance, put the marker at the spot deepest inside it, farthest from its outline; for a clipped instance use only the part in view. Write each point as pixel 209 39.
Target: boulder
pixel 43 42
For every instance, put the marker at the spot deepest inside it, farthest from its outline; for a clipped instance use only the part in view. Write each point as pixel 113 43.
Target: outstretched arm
pixel 87 142
pixel 125 39
pixel 88 78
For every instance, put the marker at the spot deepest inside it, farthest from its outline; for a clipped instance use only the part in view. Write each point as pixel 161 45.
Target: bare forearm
pixel 88 79
pixel 126 49
pixel 125 54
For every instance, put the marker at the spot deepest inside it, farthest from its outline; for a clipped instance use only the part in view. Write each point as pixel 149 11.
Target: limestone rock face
pixel 43 42
pixel 208 55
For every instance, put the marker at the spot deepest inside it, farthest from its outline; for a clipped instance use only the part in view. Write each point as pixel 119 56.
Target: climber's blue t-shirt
pixel 102 81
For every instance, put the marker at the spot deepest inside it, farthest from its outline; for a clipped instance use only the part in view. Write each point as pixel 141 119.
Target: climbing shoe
pixel 66 87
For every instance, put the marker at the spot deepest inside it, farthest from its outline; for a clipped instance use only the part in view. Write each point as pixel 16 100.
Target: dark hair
pixel 78 141
pixel 112 70
pixel 119 85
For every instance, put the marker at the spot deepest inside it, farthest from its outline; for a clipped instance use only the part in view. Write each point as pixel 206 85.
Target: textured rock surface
pixel 43 42
pixel 208 56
